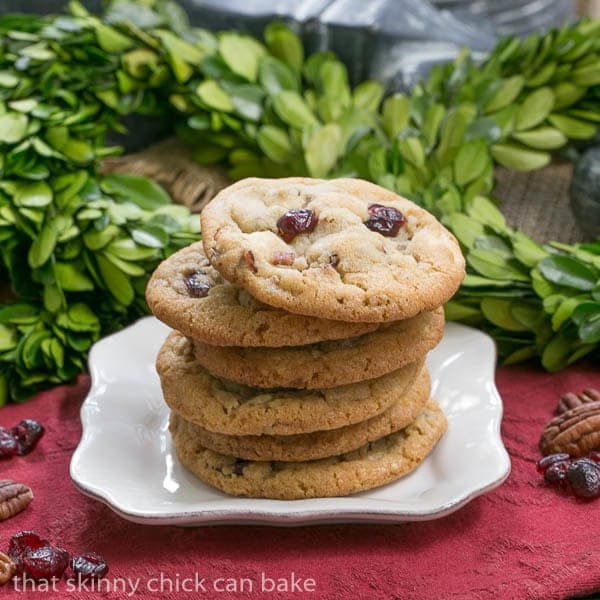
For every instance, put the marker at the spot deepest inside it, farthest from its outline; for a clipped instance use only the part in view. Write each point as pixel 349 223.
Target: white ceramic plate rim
pixel 233 510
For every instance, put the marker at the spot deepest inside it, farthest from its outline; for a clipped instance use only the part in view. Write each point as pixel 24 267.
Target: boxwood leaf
pixel 43 246
pixel 535 109
pixel 569 272
pixel 241 54
pixel 116 281
pixel 323 150
pixel 143 192
pixel 276 76
pixel 33 195
pixel 285 45
pixel 214 96
pixel 293 110
pixel 13 127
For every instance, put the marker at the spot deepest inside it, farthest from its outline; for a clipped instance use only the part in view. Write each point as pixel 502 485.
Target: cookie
pixel 372 465
pixel 327 364
pixel 187 294
pixel 319 444
pixel 225 407
pixel 343 249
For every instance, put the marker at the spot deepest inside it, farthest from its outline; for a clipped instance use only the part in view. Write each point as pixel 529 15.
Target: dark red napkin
pixel 521 541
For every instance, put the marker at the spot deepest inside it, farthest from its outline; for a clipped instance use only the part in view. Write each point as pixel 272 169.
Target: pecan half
pixel 575 431
pixel 14 497
pixel 7 568
pixel 571 400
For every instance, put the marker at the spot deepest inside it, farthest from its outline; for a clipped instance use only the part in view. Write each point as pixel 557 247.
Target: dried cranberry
pixel 584 476
pixel 8 444
pixel 46 562
pixel 385 220
pixel 89 566
pixel 295 221
pixel 546 461
pixel 556 473
pixel 22 542
pixel 28 434
pixel 197 284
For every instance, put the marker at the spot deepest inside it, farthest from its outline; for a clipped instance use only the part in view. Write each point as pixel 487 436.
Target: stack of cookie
pixel 302 322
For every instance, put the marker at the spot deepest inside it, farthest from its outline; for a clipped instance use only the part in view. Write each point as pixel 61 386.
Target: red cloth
pixel 521 541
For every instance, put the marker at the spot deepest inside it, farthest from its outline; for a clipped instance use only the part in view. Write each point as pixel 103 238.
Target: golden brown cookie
pixel 372 465
pixel 342 249
pixel 319 444
pixel 187 294
pixel 225 407
pixel 327 364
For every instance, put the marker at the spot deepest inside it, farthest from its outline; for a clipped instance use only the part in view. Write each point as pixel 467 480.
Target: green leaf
pixel 323 150
pixel 465 228
pixel 33 195
pixel 110 40
pixel 586 76
pixel 13 127
pixel 535 109
pixel 587 317
pixel 453 133
pixel 293 110
pixel 116 281
pixel 19 313
pixel 507 92
pixel 213 95
pixel 368 95
pixel 492 264
pixel 43 246
pixel 566 94
pixel 395 115
pixel 143 192
pixel 470 162
pixel 543 138
pixel 556 353
pixel 95 239
pixel 526 250
pixel 485 211
pixel 8 338
pixel 78 151
pixel 275 143
pixel 431 123
pixel 152 237
pixel 285 45
pixel 247 99
pixel 567 271
pixel 53 298
pixel 498 312
pixel 519 158
pixel 276 76
pixel 241 54
pixel 575 129
pixel 71 277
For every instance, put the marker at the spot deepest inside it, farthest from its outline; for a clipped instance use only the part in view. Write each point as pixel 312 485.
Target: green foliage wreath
pixel 77 247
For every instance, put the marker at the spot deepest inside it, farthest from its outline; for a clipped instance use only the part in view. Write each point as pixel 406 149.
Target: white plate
pixel 126 460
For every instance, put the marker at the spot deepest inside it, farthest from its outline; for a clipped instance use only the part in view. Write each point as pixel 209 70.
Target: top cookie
pixel 343 249
pixel 189 295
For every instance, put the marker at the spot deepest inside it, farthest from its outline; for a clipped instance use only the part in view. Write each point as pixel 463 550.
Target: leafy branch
pixel 77 248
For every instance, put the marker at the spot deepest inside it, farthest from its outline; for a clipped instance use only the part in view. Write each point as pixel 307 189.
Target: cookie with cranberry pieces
pixel 344 249
pixel 370 466
pixel 189 295
pixel 226 407
pixel 327 364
